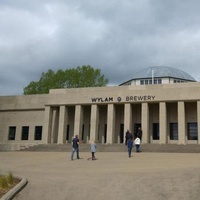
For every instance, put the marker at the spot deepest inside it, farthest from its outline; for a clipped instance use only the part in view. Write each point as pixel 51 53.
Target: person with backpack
pixel 129 146
pixel 128 135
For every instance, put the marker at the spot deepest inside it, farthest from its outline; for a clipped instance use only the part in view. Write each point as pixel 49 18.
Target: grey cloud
pixel 119 37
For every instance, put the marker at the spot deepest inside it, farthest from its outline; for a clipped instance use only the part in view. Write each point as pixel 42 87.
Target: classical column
pixel 127 118
pixel 62 125
pixel 145 123
pixel 198 120
pixel 18 134
pixel 46 135
pixel 163 122
pixel 32 133
pixel 78 120
pixel 181 123
pixel 110 123
pixel 54 131
pixel 94 123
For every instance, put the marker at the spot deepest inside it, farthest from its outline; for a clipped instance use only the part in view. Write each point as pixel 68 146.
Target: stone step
pixel 83 147
pixel 173 148
pixel 14 146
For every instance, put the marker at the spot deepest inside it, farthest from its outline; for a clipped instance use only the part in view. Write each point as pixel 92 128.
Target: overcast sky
pixel 117 36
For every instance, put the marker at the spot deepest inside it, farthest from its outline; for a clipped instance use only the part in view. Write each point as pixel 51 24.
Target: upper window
pixel 179 81
pixel 159 81
pixel 149 81
pixel 141 82
pixel 128 83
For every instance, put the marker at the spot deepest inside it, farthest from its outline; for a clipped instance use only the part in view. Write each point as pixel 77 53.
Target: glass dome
pixel 161 72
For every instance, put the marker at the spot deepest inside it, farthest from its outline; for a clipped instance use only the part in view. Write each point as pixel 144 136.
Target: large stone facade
pixel 167 113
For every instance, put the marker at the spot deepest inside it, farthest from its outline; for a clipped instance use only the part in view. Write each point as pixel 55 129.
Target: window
pixel 129 83
pixel 173 131
pixel 150 81
pixel 38 132
pixel 136 128
pixel 25 132
pixel 192 131
pixel 11 133
pixel 156 132
pixel 179 81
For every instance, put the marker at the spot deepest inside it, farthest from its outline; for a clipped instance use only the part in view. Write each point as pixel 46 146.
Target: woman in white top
pixel 137 144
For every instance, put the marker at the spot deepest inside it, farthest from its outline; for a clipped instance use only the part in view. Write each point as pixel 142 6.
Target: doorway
pixel 136 127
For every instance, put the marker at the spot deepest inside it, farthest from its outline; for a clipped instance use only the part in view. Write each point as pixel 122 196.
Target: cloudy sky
pixel 117 36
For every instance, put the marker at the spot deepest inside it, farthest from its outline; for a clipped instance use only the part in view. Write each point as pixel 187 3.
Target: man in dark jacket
pixel 128 135
pixel 75 147
pixel 129 146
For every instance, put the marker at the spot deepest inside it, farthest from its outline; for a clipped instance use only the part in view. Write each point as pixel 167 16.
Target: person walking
pixel 129 146
pixel 75 147
pixel 128 135
pixel 137 144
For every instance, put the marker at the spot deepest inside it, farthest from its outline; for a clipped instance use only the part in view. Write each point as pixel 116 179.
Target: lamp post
pixel 152 75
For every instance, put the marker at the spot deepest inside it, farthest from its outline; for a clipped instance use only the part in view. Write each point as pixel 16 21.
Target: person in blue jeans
pixel 75 147
pixel 129 146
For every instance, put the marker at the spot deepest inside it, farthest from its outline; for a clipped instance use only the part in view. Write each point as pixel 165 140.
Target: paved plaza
pixel 145 176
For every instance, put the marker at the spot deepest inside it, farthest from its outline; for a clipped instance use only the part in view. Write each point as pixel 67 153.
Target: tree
pixel 85 76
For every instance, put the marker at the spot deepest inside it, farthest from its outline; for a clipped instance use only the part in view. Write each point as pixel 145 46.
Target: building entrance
pixel 136 127
pixel 121 134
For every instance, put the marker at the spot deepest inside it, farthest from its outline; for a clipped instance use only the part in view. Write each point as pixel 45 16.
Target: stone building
pixel 163 101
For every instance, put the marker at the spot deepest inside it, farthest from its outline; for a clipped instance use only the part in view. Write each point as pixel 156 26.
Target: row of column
pixel 111 122
pixel 182 131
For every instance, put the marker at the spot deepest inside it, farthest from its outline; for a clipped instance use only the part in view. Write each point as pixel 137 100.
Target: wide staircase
pixel 170 148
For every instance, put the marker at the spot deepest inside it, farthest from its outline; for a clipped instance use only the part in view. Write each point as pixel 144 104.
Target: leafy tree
pixel 85 76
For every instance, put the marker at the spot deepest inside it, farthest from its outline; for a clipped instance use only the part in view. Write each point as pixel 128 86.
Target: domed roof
pixel 162 71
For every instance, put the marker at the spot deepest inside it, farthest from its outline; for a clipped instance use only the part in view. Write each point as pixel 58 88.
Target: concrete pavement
pixel 145 176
